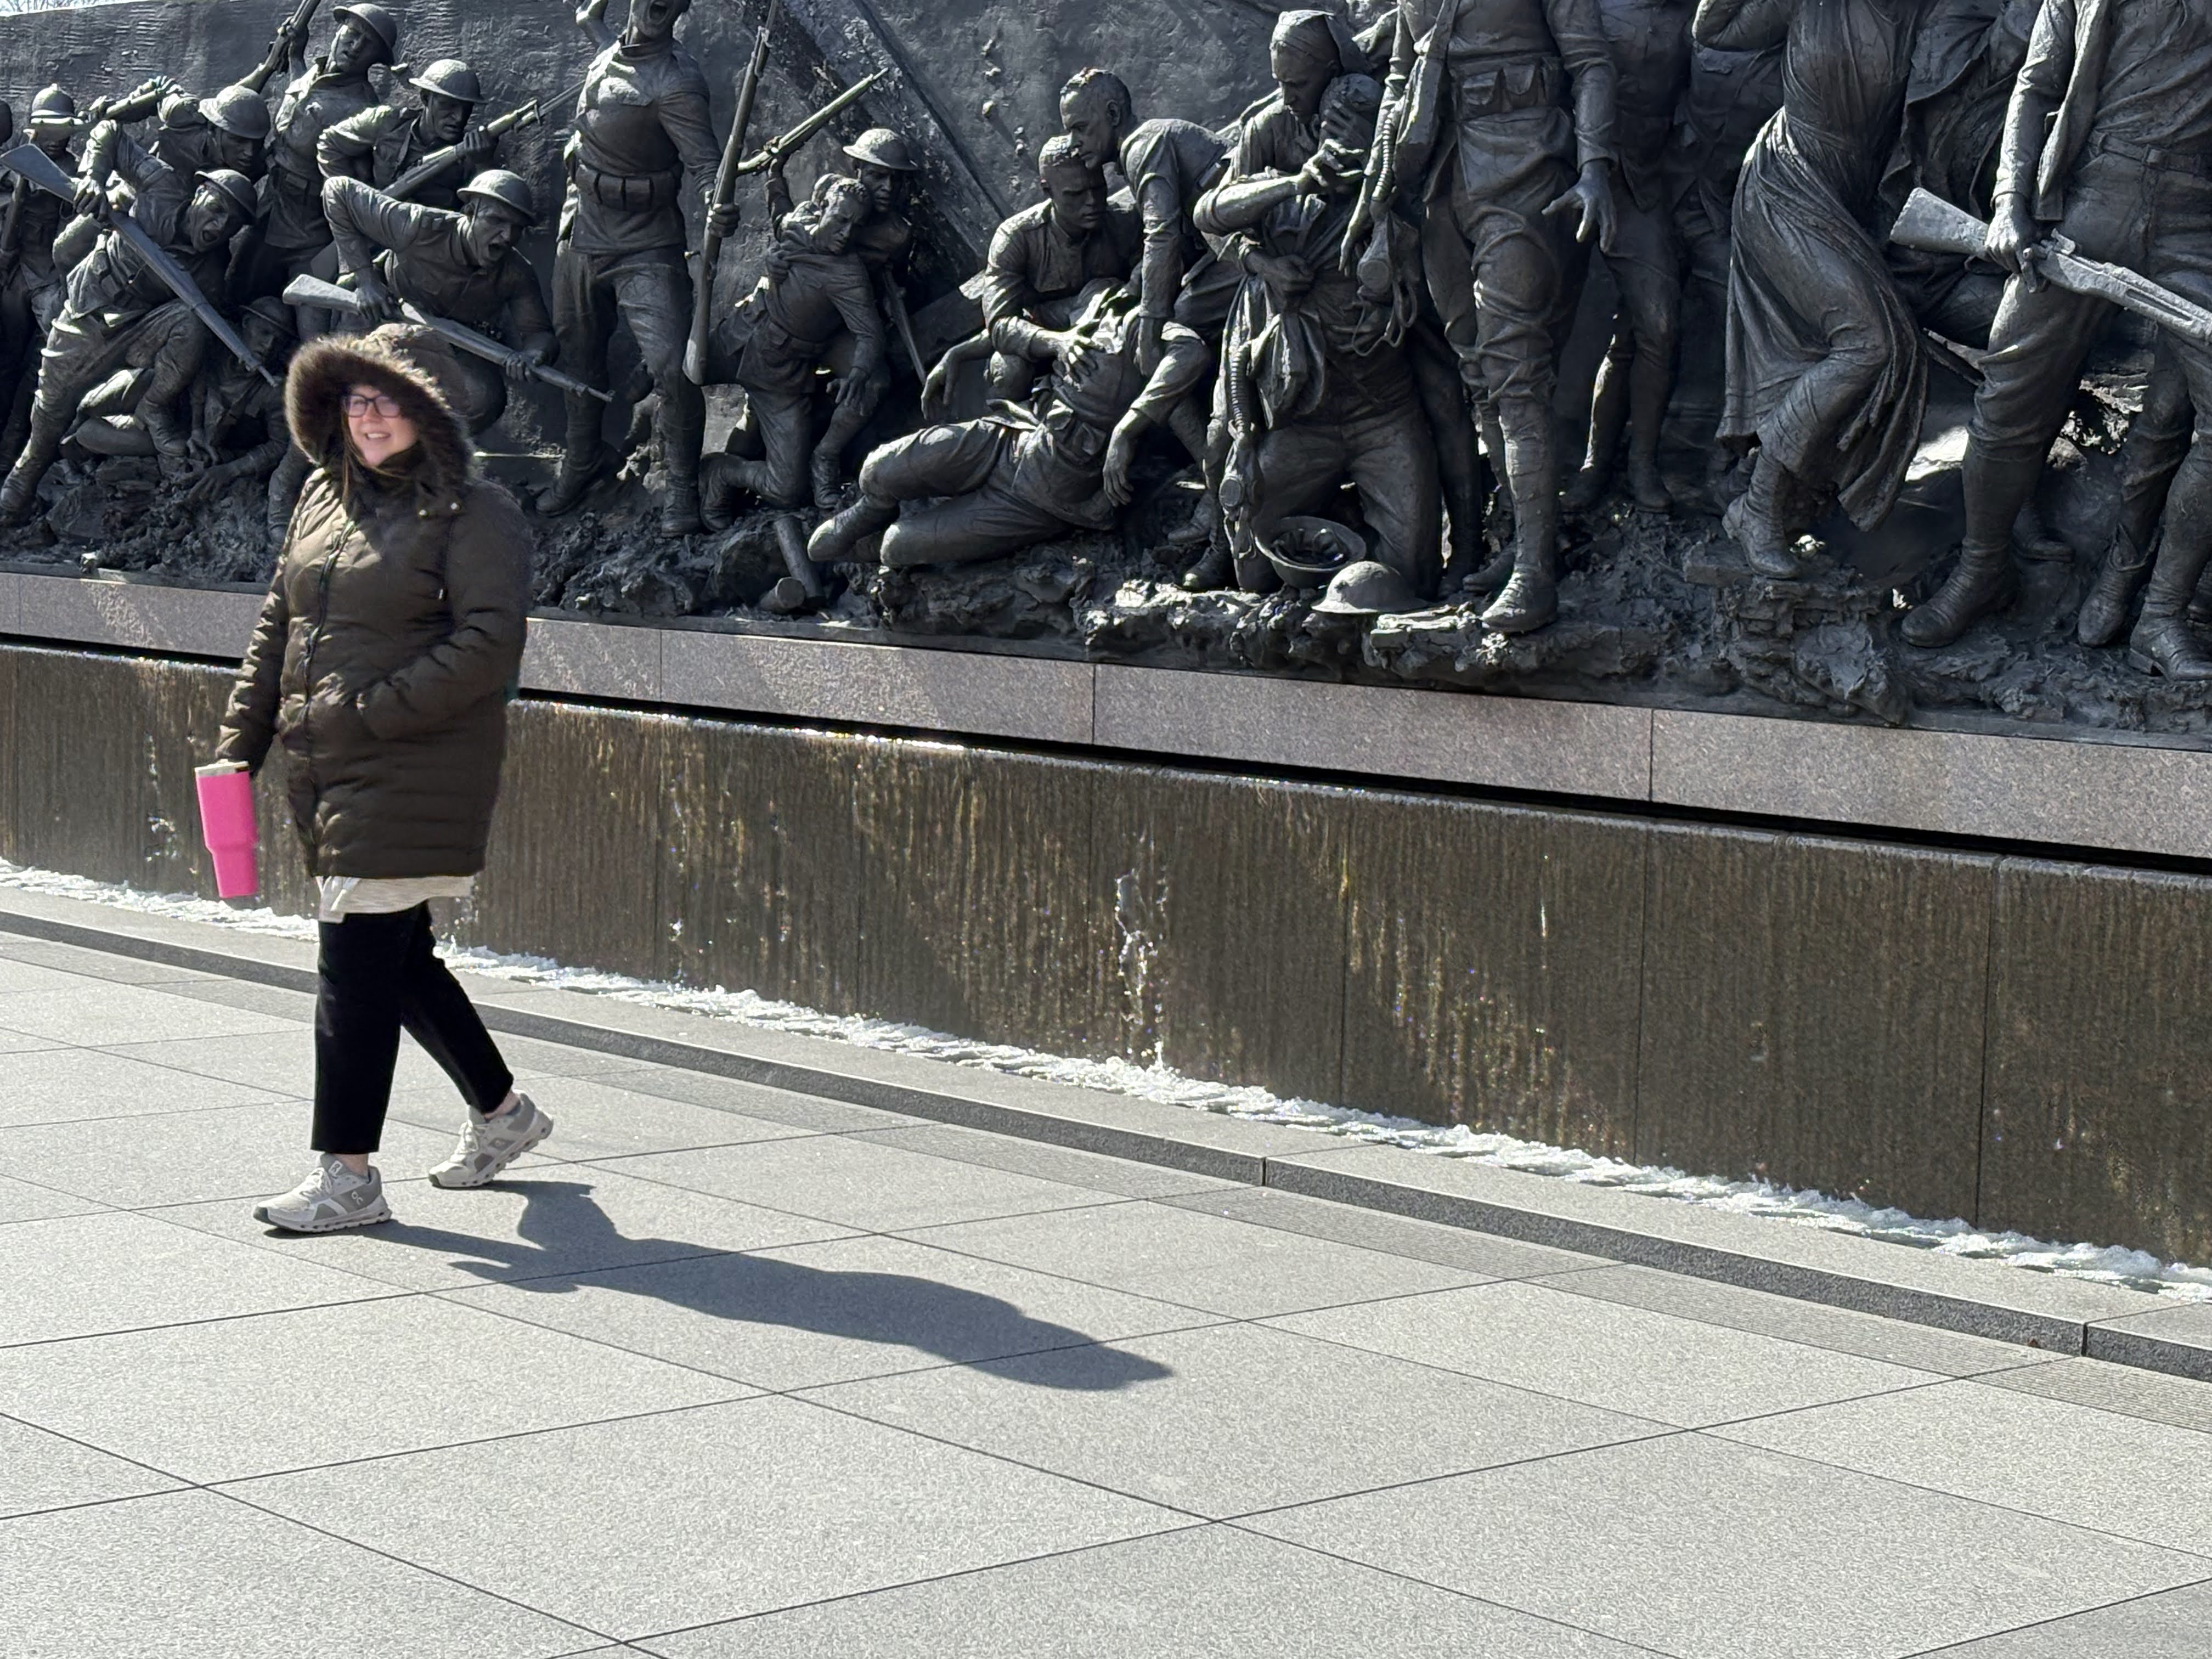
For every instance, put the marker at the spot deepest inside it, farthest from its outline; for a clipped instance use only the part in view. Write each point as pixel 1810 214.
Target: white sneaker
pixel 488 1144
pixel 330 1198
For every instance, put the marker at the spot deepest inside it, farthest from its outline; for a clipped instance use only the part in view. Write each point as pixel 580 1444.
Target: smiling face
pixel 375 429
pixel 444 119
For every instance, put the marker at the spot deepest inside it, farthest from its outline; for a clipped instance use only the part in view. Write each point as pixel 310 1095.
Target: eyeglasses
pixel 358 403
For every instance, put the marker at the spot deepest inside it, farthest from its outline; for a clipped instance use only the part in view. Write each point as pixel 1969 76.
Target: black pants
pixel 380 973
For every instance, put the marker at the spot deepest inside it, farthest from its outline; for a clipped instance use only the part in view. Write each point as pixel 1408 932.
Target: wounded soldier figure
pixel 1014 478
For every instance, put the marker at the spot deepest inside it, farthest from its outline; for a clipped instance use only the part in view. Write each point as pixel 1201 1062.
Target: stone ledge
pixel 2095 794
pixel 2060 1316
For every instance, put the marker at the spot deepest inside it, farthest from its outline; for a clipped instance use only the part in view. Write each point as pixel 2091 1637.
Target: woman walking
pixel 382 662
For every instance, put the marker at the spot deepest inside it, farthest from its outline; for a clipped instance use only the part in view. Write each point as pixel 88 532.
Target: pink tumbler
pixel 228 826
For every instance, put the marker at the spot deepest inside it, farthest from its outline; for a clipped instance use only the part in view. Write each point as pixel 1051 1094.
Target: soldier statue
pixel 1043 258
pixel 1651 45
pixel 385 141
pixel 120 313
pixel 1169 164
pixel 642 125
pixel 462 265
pixel 2105 138
pixel 1320 382
pixel 1014 478
pixel 818 289
pixel 31 294
pixel 1502 119
pixel 323 94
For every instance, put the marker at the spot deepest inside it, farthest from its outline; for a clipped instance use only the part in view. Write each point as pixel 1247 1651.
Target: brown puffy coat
pixel 393 629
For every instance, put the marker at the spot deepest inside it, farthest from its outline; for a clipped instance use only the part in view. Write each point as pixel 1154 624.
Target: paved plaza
pixel 737 1371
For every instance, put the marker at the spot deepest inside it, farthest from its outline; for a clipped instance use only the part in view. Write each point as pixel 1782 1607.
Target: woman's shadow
pixel 567 1241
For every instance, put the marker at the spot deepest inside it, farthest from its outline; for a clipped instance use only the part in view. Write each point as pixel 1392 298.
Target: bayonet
pixel 725 186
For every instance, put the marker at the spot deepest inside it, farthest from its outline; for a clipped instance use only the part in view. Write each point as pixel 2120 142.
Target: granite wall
pixel 2016 1041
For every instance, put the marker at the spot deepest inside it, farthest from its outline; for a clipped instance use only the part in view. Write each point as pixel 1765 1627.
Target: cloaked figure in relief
pixel 643 143
pixel 2107 138
pixel 1017 477
pixel 818 290
pixel 1651 43
pixel 1825 371
pixel 1040 260
pixel 1317 378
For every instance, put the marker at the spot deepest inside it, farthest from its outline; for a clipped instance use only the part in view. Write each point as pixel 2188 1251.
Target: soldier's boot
pixel 2162 642
pixel 572 482
pixel 19 501
pixel 1754 521
pixel 1531 598
pixel 1489 576
pixel 679 504
pixel 1980 584
pixel 1215 569
pixel 172 441
pixel 2200 608
pixel 2104 612
pixel 835 539
pixel 822 471
pixel 584 459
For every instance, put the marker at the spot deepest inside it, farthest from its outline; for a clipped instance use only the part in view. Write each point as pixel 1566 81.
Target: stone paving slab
pixel 599 1118
pixel 859 1182
pixel 195 1575
pixel 561 1221
pixel 834 1312
pixel 1226 1267
pixel 42 1471
pixel 2118 1474
pixel 1953 1353
pixel 1694 1546
pixel 2170 1626
pixel 2124 1388
pixel 19 1201
pixel 1173 1418
pixel 660 1522
pixel 69 1085
pixel 242 1397
pixel 186 1158
pixel 85 1275
pixel 1624 1359
pixel 1237 1596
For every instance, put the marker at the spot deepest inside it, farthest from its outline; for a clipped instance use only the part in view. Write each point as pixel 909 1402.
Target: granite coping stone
pixel 2061 1316
pixel 2114 793
pixel 2177 1339
pixel 1980 1298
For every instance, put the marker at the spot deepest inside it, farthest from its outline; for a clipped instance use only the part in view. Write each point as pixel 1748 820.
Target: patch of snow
pixel 2099 1264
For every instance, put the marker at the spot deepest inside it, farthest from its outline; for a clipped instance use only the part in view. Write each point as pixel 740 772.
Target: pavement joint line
pixel 1403 1577
pixel 2050 1623
pixel 1961 1310
pixel 603 1638
pixel 2194 1553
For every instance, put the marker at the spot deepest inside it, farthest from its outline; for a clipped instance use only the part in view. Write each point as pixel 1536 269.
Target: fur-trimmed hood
pixel 414 366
